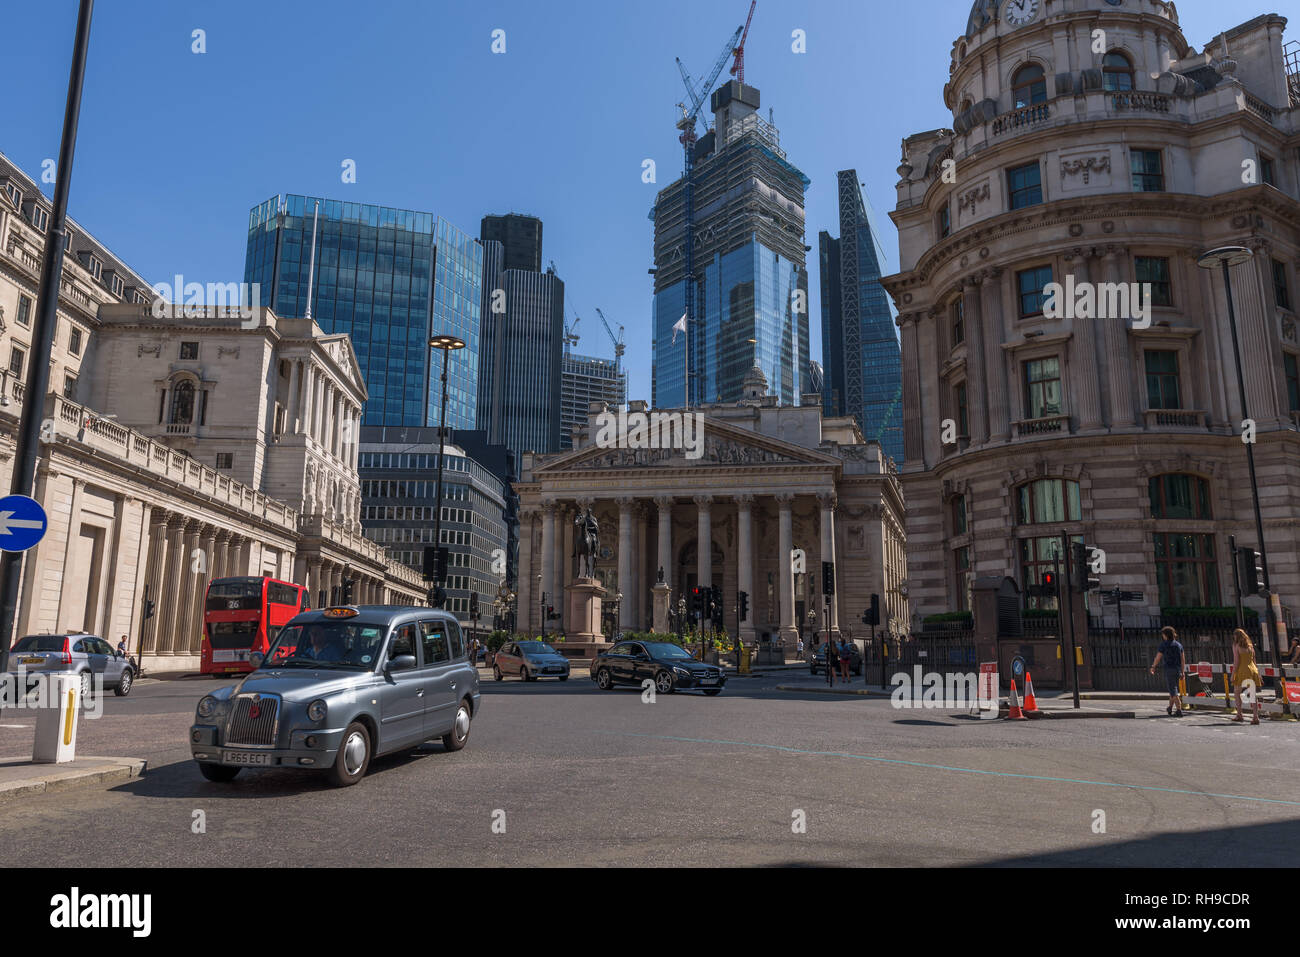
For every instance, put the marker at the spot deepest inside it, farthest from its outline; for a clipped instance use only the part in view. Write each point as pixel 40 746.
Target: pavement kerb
pixel 42 778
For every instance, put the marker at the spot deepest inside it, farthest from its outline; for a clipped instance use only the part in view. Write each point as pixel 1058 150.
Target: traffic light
pixel 1080 567
pixel 1046 587
pixel 696 603
pixel 437 596
pixel 715 601
pixel 828 578
pixel 550 613
pixel 1250 572
pixel 744 606
pixel 346 597
pixel 871 617
pixel 148 608
pixel 430 562
pixel 473 604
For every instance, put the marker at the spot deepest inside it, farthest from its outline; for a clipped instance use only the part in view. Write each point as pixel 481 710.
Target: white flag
pixel 679 326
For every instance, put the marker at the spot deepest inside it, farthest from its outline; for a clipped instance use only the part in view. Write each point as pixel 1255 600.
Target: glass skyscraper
pixel 390 278
pixel 863 372
pixel 750 274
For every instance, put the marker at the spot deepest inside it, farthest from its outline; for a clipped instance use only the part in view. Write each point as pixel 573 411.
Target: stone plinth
pixel 584 595
pixel 662 594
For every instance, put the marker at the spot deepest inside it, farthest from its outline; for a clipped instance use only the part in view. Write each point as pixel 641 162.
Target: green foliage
pixel 497 639
pixel 949 617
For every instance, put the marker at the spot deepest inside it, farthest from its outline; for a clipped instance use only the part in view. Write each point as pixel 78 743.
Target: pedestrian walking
pixel 800 646
pixel 845 657
pixel 121 647
pixel 1295 651
pixel 1243 672
pixel 1170 654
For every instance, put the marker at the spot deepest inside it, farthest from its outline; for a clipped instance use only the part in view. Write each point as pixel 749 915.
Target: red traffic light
pixel 1049 578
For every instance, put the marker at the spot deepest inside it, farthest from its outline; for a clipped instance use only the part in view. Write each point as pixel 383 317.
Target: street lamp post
pixel 618 616
pixel 1225 257
pixel 448 345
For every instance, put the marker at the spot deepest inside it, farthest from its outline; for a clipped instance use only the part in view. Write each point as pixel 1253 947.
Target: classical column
pixel 291 413
pixel 74 531
pixel 977 386
pixel 995 368
pixel 313 581
pixel 826 501
pixel 789 630
pixel 548 556
pixel 1118 353
pixel 641 582
pixel 1084 372
pixel 664 503
pixel 221 564
pixel 1252 291
pixel 155 578
pixel 704 543
pixel 745 560
pixel 564 570
pixel 524 589
pixel 203 575
pixel 191 573
pixel 175 565
pixel 914 446
pixel 625 584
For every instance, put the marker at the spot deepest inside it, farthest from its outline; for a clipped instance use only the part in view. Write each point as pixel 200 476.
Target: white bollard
pixel 56 719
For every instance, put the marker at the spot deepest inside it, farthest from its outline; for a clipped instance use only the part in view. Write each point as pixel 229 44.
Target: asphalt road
pixel 584 777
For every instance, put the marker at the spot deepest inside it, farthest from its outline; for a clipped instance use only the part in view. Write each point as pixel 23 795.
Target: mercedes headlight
pixel 316 710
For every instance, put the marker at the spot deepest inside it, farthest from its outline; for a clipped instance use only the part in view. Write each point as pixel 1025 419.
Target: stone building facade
pixel 1092 144
pixel 769 479
pixel 129 474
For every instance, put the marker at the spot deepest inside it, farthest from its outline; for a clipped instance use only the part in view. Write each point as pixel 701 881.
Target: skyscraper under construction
pixel 751 298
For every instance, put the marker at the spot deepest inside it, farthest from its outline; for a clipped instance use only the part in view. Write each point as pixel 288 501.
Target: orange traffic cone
pixel 1031 705
pixel 1016 714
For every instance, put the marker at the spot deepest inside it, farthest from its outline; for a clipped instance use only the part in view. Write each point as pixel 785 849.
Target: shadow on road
pixel 1262 845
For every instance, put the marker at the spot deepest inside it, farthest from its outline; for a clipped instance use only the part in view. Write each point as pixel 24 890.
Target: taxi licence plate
pixel 245 758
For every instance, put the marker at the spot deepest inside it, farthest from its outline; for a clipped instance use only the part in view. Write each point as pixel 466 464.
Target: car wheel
pixel 664 683
pixel 496 673
pixel 124 685
pixel 604 680
pixel 87 686
pixel 455 739
pixel 354 756
pixel 524 673
pixel 220 773
pixel 564 677
pixel 713 692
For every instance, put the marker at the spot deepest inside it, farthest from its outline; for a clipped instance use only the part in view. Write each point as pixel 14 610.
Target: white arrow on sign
pixel 8 523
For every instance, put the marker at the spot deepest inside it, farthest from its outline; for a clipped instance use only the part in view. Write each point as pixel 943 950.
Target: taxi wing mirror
pixel 401 663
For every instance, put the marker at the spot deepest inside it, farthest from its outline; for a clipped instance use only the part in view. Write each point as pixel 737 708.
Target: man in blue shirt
pixel 1170 654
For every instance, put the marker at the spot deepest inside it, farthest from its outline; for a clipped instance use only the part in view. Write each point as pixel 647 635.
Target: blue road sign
pixel 22 523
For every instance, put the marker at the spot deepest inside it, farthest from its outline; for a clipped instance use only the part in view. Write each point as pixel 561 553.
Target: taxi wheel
pixel 455 739
pixel 496 673
pixel 354 756
pixel 220 773
pixel 604 681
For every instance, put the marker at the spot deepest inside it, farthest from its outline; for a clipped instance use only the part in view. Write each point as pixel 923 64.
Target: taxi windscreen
pixel 327 644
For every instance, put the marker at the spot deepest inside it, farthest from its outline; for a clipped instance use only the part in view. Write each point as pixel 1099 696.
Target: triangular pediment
pixel 723 446
pixel 339 349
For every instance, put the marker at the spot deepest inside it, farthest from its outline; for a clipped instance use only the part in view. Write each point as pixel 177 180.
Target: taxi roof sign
pixel 341 611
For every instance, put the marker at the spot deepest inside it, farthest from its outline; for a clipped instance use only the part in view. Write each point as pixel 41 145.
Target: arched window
pixel 182 403
pixel 1117 72
pixel 1029 86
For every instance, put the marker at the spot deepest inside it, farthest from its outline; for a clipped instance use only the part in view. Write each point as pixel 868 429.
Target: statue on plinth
pixel 587 542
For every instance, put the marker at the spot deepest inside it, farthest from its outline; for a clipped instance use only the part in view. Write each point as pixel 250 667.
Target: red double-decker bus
pixel 242 616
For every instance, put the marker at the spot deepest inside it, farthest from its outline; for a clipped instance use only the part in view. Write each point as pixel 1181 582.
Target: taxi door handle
pixel 420 693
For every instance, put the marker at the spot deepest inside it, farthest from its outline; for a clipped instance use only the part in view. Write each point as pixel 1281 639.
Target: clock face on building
pixel 1019 12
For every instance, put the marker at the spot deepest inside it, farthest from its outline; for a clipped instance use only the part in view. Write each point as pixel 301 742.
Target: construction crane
pixel 738 67
pixel 571 334
pixel 687 139
pixel 617 340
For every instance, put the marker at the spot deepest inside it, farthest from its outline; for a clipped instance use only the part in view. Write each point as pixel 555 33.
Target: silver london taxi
pixel 337 687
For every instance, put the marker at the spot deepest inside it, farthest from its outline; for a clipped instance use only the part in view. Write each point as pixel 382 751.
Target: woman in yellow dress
pixel 1243 671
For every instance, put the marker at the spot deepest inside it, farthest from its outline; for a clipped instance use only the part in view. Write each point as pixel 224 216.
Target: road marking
pixel 15 725
pixel 948 767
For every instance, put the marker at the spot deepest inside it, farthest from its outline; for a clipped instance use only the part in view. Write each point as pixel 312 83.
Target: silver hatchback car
pixel 338 687
pixel 89 656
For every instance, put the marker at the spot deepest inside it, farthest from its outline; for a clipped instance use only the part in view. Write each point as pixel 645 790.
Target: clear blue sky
pixel 175 148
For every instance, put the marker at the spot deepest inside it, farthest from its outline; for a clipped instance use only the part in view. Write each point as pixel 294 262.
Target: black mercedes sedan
pixel 669 666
